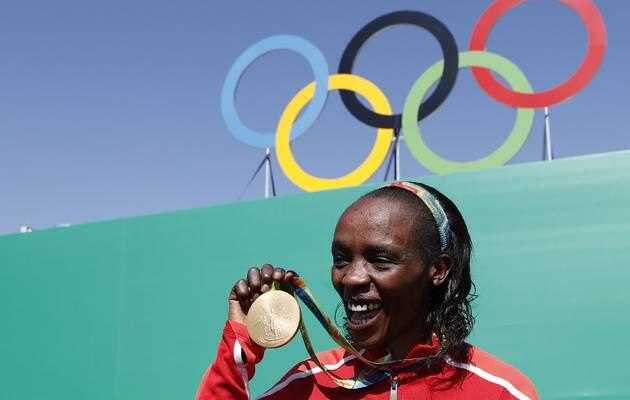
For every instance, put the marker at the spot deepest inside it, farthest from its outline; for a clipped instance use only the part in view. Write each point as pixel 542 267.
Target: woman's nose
pixel 357 275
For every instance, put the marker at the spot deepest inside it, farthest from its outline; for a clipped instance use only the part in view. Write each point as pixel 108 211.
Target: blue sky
pixel 111 109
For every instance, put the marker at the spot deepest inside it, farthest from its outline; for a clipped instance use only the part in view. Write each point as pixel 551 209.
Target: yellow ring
pixel 363 172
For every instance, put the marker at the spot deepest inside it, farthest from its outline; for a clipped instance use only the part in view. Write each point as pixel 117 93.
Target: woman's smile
pixel 362 313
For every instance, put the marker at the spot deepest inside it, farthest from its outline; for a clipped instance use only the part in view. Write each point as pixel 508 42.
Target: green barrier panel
pixel 133 308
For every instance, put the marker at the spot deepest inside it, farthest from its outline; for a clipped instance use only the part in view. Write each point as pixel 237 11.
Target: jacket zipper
pixel 393 389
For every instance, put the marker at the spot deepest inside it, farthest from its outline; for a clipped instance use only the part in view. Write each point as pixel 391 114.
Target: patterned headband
pixel 433 205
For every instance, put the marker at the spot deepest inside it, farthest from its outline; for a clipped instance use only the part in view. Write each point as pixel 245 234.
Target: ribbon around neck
pixel 375 371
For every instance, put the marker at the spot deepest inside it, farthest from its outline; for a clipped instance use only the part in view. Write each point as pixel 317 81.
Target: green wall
pixel 133 308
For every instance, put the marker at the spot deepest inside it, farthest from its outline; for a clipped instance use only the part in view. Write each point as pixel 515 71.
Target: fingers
pixel 288 276
pixel 278 274
pixel 254 280
pixel 243 294
pixel 267 277
pixel 257 282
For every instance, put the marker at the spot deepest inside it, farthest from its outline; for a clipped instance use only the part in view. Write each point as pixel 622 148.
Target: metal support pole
pixel 397 154
pixel 547 148
pixel 394 156
pixel 269 180
pixel 267 172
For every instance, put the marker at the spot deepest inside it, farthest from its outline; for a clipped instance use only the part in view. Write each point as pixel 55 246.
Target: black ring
pixel 447 81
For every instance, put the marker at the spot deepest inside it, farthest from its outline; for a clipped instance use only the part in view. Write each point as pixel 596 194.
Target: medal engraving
pixel 273 319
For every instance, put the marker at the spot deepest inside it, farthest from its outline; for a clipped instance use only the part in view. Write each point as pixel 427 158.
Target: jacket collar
pixel 410 363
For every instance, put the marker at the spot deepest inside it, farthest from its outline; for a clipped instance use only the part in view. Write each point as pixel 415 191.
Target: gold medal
pixel 273 319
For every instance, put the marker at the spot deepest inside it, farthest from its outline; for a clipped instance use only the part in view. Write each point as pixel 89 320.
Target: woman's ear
pixel 440 269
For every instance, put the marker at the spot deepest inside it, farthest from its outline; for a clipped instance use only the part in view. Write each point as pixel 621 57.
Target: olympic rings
pixel 520 95
pixel 295 43
pixel 377 155
pixel 596 47
pixel 509 148
pixel 447 81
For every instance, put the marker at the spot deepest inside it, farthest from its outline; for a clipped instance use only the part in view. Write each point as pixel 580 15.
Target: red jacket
pixel 483 377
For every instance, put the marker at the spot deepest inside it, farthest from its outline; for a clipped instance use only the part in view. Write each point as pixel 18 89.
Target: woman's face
pixel 380 275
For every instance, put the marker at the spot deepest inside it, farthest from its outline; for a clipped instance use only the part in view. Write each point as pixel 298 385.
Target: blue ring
pixel 289 42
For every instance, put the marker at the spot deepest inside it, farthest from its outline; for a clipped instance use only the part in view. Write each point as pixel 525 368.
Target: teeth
pixel 363 307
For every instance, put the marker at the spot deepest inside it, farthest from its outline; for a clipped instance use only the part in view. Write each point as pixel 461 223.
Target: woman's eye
pixel 382 263
pixel 339 260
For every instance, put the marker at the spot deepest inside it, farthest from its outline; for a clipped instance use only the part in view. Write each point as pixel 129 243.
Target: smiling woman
pixel 401 265
pixel 388 250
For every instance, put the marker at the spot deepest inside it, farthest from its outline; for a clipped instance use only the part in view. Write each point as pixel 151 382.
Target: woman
pixel 401 258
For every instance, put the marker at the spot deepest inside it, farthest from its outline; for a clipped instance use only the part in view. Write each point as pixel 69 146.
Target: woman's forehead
pixel 376 217
pixel 380 209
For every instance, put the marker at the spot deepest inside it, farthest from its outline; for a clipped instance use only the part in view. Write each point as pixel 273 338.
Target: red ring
pixel 596 47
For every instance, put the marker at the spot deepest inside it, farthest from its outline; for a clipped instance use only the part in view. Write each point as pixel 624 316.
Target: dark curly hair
pixel 450 312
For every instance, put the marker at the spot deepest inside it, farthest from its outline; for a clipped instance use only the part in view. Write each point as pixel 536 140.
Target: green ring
pixel 505 152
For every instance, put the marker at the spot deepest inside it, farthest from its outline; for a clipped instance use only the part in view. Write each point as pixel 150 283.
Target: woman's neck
pixel 402 345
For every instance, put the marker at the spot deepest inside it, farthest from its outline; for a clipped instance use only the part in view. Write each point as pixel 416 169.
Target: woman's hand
pixel 245 291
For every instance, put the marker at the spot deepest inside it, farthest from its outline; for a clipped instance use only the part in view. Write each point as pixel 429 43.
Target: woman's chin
pixel 372 344
pixel 368 334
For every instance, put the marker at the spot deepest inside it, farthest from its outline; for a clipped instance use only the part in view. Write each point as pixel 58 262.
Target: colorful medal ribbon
pixel 376 371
